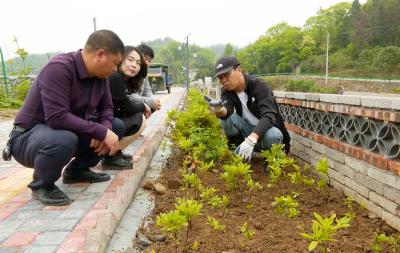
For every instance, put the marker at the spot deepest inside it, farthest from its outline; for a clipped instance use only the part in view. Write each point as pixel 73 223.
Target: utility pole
pixel 327 58
pixel 187 61
pixel 94 24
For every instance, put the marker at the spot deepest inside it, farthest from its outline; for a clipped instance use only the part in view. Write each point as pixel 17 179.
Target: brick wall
pixel 369 176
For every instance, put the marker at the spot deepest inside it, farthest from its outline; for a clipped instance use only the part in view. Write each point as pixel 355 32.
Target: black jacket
pixel 122 106
pixel 261 102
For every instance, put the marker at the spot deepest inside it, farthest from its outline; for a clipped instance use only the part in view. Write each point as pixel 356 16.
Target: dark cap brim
pixel 226 70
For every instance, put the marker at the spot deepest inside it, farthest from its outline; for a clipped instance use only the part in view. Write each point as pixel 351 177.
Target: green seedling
pixel 215 224
pixel 204 167
pixel 308 181
pixel 192 181
pixel 236 175
pixel 190 209
pixel 208 193
pixel 322 168
pixel 246 233
pixel 286 206
pixel 172 223
pixel 277 160
pixel 295 176
pixel 252 186
pixel 323 230
pixel 383 241
pixel 349 202
pixel 196 245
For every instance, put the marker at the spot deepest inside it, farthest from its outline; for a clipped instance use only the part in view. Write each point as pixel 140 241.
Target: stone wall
pixel 359 136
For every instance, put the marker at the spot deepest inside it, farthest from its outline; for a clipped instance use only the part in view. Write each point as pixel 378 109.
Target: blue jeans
pixel 236 126
pixel 48 150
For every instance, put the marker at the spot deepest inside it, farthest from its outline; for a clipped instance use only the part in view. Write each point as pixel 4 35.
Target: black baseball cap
pixel 224 65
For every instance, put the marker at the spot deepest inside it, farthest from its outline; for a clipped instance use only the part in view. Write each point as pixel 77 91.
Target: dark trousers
pixel 48 150
pixel 132 123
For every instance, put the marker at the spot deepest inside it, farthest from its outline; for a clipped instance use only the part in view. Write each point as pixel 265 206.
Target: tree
pixel 388 61
pixel 229 50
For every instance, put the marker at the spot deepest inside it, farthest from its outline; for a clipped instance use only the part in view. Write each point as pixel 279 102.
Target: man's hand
pixel 245 150
pixel 147 111
pixel 99 147
pixel 157 105
pixel 217 105
pixel 111 141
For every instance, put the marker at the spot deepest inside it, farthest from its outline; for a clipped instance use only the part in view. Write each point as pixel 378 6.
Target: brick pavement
pixel 88 223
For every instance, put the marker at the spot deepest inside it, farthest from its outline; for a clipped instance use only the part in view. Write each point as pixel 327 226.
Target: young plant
pixel 190 209
pixel 349 202
pixel 208 193
pixel 172 223
pixel 252 186
pixel 322 168
pixel 295 176
pixel 247 234
pixel 286 206
pixel 195 246
pixel 236 175
pixel 323 230
pixel 215 224
pixel 277 160
pixel 192 181
pixel 204 167
pixel 383 241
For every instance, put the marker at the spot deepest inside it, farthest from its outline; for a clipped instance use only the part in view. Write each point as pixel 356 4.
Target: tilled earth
pixel 273 233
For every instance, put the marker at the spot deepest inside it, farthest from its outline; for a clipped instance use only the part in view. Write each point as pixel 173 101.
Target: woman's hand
pixel 147 111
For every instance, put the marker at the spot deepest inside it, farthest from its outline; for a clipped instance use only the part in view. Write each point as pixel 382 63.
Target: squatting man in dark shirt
pixel 248 110
pixel 68 113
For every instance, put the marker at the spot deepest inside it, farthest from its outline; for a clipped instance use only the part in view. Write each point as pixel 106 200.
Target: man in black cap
pixel 248 110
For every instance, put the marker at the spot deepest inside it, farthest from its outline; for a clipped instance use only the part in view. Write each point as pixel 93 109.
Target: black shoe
pixel 116 162
pixel 51 196
pixel 127 157
pixel 84 176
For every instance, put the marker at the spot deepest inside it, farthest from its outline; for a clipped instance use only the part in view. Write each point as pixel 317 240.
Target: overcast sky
pixel 53 25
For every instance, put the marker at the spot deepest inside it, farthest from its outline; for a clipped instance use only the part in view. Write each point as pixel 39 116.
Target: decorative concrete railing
pixel 360 137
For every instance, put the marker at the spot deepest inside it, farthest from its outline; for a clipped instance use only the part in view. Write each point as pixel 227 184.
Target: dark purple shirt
pixel 63 96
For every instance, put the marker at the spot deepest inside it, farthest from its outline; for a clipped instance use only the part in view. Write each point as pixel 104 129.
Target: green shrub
pixel 300 85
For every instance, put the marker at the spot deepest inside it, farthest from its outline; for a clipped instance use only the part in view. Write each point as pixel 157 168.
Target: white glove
pixel 245 150
pixel 216 105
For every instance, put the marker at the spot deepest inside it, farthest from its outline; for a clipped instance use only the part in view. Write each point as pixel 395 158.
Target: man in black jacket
pixel 248 110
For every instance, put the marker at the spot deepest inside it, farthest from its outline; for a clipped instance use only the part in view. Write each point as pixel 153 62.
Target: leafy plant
pixel 246 233
pixel 190 209
pixel 196 245
pixel 349 202
pixel 236 175
pixel 192 181
pixel 277 160
pixel 215 224
pixel 323 230
pixel 382 241
pixel 322 168
pixel 172 223
pixel 286 206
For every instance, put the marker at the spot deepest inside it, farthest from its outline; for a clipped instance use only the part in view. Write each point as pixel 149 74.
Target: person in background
pixel 142 92
pixel 68 113
pixel 248 110
pixel 131 72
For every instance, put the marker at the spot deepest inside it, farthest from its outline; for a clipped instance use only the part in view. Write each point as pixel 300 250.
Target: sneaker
pixel 51 196
pixel 84 176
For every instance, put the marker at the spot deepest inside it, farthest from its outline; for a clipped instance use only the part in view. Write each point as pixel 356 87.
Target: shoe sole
pixel 77 181
pixel 53 204
pixel 113 167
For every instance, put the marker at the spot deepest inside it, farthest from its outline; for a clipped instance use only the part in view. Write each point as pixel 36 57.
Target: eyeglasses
pixel 224 75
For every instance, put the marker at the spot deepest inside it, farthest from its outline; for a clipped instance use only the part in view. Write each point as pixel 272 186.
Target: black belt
pixel 18 129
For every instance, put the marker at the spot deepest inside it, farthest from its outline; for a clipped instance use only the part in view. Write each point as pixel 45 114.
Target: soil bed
pixel 273 233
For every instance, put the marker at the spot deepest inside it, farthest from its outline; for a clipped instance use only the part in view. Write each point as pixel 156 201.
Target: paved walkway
pixel 88 223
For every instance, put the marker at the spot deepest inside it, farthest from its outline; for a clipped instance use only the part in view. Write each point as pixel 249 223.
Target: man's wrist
pixel 252 139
